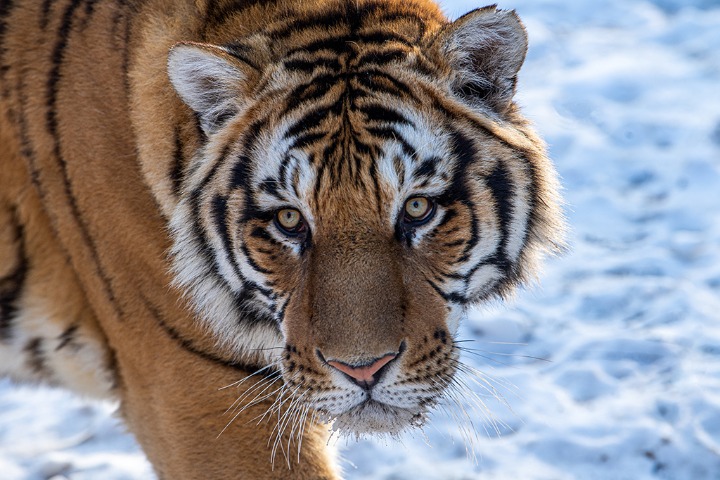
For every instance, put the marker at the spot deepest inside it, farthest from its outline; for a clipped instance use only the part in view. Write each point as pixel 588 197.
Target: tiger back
pixel 297 201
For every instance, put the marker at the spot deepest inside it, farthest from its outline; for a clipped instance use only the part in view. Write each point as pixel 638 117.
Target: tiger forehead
pixel 340 27
pixel 335 83
pixel 346 120
pixel 339 104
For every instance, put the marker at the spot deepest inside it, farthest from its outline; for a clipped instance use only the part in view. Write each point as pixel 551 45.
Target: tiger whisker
pixel 274 407
pixel 283 422
pixel 249 391
pixel 487 382
pixel 484 353
pixel 257 372
pixel 466 425
pixel 301 432
pixel 260 397
pixel 486 385
pixel 295 421
pixel 255 401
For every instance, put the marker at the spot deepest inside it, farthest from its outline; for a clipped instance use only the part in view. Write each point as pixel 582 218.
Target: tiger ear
pixel 209 80
pixel 486 48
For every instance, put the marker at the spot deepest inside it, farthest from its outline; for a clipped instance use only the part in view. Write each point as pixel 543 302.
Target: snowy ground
pixel 611 368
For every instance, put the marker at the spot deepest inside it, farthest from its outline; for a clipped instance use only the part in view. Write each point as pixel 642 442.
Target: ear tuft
pixel 209 80
pixel 486 48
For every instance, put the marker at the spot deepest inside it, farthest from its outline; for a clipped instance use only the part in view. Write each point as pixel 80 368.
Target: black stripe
pixel 376 186
pixel 176 169
pixel 36 360
pixel 256 266
pixel 309 66
pixel 242 169
pixel 296 175
pixel 219 214
pixel 89 10
pixel 45 13
pixel 346 44
pixel 501 185
pixel 52 125
pixel 281 312
pixel 303 141
pixel 328 20
pixel 347 13
pixel 449 215
pixel 322 168
pixel 126 48
pixel 427 168
pixel 254 287
pixel 465 154
pixel 311 119
pixel 205 251
pixel 384 36
pixel 11 285
pixel 449 297
pixel 534 200
pixel 337 45
pixel 218 211
pixel 382 58
pixel 6 7
pixel 369 79
pixel 269 185
pixel 26 146
pixel 244 53
pixel 380 113
pixel 240 173
pixel 310 91
pixel 67 337
pixel 190 346
pixel 263 234
pixel 404 16
pixel 208 254
pixel 220 11
pixel 390 133
pixel 454 244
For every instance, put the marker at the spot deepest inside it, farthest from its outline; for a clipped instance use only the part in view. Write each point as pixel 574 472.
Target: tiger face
pixel 359 187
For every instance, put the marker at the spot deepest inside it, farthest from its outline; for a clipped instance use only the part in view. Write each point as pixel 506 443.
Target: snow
pixel 610 368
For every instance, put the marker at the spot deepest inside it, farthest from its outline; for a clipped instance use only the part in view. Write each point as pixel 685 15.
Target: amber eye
pixel 290 221
pixel 418 210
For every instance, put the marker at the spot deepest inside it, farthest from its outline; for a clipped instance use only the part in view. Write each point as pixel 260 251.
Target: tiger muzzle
pixel 356 303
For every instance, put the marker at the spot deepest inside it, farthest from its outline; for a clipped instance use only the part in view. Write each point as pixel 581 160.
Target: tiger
pixel 254 223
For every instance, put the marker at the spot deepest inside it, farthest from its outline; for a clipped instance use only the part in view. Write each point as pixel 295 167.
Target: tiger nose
pixel 366 374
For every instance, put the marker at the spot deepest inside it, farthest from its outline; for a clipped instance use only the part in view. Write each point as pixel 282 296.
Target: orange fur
pixel 104 168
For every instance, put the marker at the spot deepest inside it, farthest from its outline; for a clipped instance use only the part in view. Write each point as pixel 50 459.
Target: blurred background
pixel 610 367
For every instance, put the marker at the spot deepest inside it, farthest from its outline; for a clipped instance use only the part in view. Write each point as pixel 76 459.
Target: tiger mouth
pixel 374 417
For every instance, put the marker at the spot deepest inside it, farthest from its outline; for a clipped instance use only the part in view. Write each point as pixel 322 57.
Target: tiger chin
pixel 248 221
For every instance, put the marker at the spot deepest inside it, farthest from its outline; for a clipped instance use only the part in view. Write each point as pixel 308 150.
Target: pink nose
pixel 364 375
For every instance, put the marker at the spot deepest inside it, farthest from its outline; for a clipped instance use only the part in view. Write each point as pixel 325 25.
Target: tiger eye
pixel 289 218
pixel 417 207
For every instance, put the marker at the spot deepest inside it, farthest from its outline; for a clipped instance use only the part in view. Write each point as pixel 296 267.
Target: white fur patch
pixel 206 80
pixel 211 297
pixel 80 366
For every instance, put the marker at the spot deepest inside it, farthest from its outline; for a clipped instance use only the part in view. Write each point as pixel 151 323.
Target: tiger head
pixel 365 177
